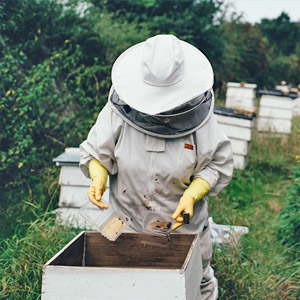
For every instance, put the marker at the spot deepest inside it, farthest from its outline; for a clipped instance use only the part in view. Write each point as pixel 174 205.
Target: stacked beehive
pixel 240 95
pixel 296 107
pixel 291 91
pixel 73 190
pixel 275 112
pixel 239 129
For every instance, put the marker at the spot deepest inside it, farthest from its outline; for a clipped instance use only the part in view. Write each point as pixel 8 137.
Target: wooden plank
pixel 240 161
pixel 276 102
pixel 74 249
pixel 74 283
pixel 234 121
pixel 129 251
pixel 274 113
pixel 274 125
pixel 246 111
pixel 76 196
pixel 72 175
pixel 236 132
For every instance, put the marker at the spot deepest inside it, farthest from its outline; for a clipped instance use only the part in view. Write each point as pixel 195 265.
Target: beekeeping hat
pixel 160 74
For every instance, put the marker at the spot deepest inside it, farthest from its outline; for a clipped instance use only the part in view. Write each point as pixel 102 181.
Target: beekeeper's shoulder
pixel 210 133
pixel 108 117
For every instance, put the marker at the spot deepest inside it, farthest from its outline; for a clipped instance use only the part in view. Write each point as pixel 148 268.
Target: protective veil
pixel 177 122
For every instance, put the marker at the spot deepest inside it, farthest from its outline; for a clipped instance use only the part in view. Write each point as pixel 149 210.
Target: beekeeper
pixel 159 141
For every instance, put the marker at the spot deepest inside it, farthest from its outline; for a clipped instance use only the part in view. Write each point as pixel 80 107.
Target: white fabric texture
pixel 160 74
pixel 147 172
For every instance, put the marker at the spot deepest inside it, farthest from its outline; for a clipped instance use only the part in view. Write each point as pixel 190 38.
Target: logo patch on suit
pixel 189 146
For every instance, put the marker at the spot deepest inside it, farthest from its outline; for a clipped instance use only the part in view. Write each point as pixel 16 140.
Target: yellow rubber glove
pixel 196 190
pixel 98 174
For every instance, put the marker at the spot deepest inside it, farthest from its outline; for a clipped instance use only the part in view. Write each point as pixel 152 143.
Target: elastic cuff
pixel 97 169
pixel 198 189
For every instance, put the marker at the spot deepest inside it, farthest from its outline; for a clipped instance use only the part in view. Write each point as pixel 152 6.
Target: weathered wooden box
pixel 73 189
pixel 275 114
pixel 238 129
pixel 240 95
pixel 90 267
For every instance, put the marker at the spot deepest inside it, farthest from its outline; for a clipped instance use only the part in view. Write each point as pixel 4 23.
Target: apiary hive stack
pixel 239 129
pixel 275 112
pixel 240 95
pixel 296 107
pixel 73 189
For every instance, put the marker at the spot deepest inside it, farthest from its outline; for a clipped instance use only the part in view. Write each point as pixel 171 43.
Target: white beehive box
pixel 239 130
pixel 240 95
pixel 283 88
pixel 73 189
pixel 296 107
pixel 90 267
pixel 275 114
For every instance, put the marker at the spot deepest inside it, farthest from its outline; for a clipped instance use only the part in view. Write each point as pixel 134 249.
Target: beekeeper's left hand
pixel 196 190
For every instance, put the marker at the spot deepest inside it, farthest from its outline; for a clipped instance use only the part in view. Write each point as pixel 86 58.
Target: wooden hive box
pixel 275 114
pixel 73 189
pixel 296 107
pixel 241 95
pixel 90 267
pixel 238 129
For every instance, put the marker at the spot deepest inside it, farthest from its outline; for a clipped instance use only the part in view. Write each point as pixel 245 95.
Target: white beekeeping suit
pixel 157 133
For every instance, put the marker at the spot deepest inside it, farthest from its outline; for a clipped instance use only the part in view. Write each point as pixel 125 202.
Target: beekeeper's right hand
pixel 98 174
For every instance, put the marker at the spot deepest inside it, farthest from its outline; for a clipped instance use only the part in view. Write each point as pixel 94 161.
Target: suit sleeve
pixel 101 141
pixel 215 157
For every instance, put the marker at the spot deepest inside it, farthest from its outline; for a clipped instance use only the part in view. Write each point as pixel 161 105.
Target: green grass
pixel 23 258
pixel 27 201
pixel 261 267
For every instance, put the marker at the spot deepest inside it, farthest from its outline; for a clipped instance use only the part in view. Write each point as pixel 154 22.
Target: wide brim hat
pixel 160 74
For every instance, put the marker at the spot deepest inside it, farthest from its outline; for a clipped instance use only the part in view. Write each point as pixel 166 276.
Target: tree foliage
pixel 55 66
pixel 246 53
pixel 282 34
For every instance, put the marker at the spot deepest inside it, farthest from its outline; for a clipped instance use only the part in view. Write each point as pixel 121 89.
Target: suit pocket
pixel 187 158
